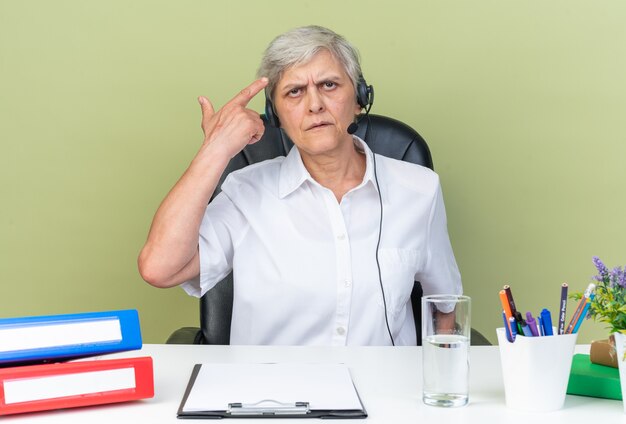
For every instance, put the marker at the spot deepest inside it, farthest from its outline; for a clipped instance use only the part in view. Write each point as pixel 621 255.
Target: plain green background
pixel 523 104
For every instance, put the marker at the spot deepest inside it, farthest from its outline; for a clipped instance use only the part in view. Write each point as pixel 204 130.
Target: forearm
pixel 445 322
pixel 169 256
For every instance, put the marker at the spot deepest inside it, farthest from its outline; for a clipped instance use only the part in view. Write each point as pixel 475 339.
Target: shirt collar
pixel 293 172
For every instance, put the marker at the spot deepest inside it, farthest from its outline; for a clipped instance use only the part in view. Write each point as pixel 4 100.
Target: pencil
pixel 509 296
pixel 562 308
pixel 506 307
pixel 577 312
pixel 579 308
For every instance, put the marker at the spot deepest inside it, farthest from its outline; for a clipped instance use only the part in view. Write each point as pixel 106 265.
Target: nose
pixel 316 102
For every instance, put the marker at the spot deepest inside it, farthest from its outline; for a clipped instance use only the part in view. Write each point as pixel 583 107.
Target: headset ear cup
pixel 363 91
pixel 271 116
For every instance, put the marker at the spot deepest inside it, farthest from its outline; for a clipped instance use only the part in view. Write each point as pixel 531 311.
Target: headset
pixel 364 98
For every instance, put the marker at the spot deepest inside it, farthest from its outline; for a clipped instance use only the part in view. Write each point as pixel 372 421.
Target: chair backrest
pixel 385 136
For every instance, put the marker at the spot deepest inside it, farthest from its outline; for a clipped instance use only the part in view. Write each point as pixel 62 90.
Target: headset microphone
pixel 355 125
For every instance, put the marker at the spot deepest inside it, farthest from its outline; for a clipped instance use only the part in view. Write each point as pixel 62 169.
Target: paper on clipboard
pixel 323 386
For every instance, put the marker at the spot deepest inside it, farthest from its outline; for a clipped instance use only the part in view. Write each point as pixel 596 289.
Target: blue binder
pixel 57 337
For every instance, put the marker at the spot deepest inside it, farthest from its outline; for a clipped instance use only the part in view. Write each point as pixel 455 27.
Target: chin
pixel 318 145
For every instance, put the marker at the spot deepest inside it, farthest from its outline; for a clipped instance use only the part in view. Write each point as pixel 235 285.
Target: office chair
pixel 383 135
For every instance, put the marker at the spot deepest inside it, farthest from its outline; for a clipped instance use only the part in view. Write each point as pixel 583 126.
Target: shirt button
pixel 347 283
pixel 341 236
pixel 341 331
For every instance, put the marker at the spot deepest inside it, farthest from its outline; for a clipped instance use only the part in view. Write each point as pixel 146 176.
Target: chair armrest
pixel 185 335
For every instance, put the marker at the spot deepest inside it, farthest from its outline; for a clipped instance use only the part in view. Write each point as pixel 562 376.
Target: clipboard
pixel 271 391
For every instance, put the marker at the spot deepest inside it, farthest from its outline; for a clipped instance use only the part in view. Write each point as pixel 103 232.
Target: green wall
pixel 522 103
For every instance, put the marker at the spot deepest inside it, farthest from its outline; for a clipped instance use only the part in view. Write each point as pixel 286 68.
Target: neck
pixel 338 171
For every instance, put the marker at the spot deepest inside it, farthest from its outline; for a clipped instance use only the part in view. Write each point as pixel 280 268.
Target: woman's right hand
pixel 234 126
pixel 170 255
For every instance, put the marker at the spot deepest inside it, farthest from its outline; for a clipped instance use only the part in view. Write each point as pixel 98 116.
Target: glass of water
pixel 445 349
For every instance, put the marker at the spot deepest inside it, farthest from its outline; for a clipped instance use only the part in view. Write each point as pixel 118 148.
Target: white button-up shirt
pixel 304 265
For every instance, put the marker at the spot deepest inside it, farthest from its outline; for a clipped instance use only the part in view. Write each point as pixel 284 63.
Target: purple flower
pixel 621 280
pixel 614 276
pixel 602 269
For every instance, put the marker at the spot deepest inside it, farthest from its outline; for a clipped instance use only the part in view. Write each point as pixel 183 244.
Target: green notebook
pixel 589 379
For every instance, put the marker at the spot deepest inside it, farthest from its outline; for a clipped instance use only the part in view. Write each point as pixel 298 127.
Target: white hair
pixel 298 46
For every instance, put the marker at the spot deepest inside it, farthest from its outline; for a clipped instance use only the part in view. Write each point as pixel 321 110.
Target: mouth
pixel 318 125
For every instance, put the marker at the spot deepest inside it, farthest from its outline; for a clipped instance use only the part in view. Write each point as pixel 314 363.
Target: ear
pixel 357 109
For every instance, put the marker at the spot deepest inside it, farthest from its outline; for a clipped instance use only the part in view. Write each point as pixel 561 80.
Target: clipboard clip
pixel 269 407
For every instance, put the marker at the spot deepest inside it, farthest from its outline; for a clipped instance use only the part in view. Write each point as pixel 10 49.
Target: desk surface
pixel 388 380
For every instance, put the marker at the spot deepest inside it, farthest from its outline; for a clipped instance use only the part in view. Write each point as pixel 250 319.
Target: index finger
pixel 245 95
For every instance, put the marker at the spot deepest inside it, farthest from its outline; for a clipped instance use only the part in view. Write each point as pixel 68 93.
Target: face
pixel 315 103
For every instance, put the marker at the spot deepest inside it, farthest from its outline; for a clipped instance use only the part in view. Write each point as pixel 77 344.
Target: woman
pixel 313 261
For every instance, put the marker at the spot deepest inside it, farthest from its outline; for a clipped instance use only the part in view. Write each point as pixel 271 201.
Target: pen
pixel 546 322
pixel 579 308
pixel 532 324
pixel 562 308
pixel 507 329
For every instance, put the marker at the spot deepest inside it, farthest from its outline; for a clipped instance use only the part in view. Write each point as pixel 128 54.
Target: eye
pixel 329 85
pixel 294 92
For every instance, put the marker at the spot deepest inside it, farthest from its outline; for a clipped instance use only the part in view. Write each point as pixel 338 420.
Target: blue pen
pixel 540 325
pixel 532 324
pixel 546 320
pixel 513 328
pixel 506 328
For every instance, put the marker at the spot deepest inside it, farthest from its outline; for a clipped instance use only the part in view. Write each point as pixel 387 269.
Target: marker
pixel 532 324
pixel 540 325
pixel 546 322
pixel 507 329
pixel 520 323
pixel 562 308
pixel 513 328
pixel 522 327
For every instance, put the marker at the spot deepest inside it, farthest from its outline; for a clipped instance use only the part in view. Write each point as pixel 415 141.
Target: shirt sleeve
pixel 440 274
pixel 222 227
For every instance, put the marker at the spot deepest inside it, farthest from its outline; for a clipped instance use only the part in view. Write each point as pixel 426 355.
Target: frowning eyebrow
pixel 290 85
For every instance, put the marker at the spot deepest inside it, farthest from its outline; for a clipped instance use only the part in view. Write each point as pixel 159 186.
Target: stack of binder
pixel 46 362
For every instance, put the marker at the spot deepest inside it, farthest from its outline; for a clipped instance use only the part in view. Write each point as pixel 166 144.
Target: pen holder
pixel 536 370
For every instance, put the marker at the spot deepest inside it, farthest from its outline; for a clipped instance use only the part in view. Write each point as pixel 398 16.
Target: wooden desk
pixel 387 378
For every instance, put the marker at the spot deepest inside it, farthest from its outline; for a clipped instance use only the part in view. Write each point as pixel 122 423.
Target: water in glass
pixel 446 370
